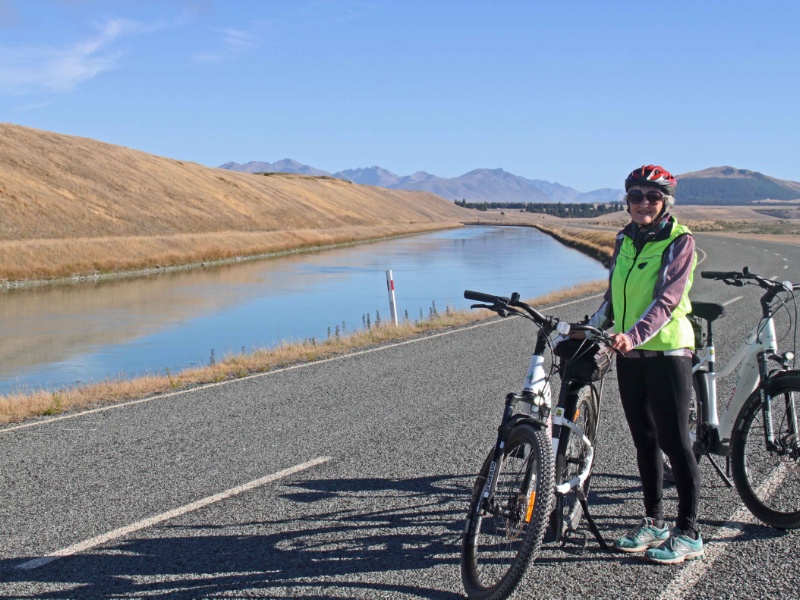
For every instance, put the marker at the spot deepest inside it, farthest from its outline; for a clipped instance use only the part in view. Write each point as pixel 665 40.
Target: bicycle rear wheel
pixel 769 481
pixel 504 533
pixel 571 459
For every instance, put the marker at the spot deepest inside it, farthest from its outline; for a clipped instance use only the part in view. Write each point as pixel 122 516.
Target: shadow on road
pixel 356 538
pixel 317 538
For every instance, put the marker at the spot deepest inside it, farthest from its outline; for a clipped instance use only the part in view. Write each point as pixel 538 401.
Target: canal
pixel 57 336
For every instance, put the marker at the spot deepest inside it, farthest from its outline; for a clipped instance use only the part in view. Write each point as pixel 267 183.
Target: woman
pixel 647 300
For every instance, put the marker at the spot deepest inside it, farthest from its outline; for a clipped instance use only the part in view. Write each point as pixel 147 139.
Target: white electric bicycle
pixel 756 428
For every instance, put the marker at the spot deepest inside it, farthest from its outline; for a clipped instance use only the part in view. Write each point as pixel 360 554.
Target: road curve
pixel 349 478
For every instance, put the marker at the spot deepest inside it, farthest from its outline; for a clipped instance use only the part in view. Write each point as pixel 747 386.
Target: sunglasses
pixel 638 196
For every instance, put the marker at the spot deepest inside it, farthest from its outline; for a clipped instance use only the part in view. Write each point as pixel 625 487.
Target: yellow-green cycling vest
pixel 633 285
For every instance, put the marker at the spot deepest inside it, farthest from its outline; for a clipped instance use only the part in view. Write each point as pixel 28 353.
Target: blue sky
pixel 578 92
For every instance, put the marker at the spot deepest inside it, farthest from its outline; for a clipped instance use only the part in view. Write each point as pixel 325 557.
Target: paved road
pixel 347 478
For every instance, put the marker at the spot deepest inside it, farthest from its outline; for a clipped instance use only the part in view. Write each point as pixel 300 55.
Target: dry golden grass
pixel 47 259
pixel 72 205
pixel 21 406
pixel 596 243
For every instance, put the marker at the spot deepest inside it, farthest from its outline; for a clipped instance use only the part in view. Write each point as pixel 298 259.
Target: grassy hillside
pixel 730 186
pixel 72 205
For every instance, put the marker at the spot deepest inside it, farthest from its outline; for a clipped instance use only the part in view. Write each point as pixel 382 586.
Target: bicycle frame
pixel 535 399
pixel 753 355
pixel 754 375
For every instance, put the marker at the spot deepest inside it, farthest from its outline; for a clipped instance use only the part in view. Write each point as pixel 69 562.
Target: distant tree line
pixel 559 209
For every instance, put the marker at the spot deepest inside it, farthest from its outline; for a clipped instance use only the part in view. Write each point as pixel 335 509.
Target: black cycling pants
pixel 656 394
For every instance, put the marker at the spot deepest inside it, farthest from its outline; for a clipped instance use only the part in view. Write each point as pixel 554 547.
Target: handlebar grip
pixel 720 274
pixel 480 297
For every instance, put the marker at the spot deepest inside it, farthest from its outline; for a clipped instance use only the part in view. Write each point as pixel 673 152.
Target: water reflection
pixel 86 332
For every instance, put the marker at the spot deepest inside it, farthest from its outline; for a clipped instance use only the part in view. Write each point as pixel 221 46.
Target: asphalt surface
pixel 398 433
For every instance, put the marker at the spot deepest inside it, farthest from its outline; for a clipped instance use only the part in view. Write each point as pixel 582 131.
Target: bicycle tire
pixel 571 457
pixel 497 548
pixel 768 484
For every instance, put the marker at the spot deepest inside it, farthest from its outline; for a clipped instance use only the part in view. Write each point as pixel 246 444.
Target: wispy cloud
pixel 37 69
pixel 234 42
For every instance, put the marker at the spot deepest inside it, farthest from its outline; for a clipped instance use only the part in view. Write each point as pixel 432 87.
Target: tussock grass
pixel 52 259
pixel 75 206
pixel 596 243
pixel 25 405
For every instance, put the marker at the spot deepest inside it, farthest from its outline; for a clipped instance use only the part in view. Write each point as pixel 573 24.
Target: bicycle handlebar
pixel 720 274
pixel 737 278
pixel 481 297
pixel 503 306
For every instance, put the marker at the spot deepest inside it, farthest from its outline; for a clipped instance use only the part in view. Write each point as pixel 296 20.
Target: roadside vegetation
pixel 37 261
pixel 598 244
pixel 29 404
pixel 772 227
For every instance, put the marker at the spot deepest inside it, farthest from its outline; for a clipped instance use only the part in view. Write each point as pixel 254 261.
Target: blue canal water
pixel 62 335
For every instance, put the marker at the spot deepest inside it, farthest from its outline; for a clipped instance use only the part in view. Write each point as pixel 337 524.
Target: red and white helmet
pixel 654 176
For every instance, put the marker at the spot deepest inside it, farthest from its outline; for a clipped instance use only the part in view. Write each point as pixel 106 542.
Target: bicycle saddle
pixel 707 310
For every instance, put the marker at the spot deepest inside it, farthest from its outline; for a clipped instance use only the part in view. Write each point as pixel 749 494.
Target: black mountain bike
pixel 525 486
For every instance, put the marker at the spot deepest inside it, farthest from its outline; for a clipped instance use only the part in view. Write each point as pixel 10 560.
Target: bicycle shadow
pixel 610 491
pixel 363 538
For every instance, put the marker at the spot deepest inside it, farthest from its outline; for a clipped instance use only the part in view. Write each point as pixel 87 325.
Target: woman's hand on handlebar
pixel 621 343
pixel 576 335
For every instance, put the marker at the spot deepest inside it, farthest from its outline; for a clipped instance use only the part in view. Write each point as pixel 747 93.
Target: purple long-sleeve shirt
pixel 670 285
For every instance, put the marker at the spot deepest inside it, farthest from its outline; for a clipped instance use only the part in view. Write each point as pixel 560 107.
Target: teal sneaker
pixel 678 548
pixel 645 535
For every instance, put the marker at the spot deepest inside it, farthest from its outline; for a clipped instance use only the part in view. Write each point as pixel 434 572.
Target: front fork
pixel 510 419
pixel 766 402
pixel 536 389
pixel 766 409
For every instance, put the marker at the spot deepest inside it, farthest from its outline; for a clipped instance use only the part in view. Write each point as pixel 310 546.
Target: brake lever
pixel 500 310
pixel 733 282
pixel 486 306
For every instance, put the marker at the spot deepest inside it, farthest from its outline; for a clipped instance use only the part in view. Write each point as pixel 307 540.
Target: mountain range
pixel 479 185
pixel 717 185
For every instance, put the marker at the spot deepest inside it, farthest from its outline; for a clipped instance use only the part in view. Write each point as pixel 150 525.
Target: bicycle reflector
pixel 531 502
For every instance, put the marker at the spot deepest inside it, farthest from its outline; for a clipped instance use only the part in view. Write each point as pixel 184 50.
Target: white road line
pixel 732 300
pixel 176 512
pixel 723 537
pixel 268 373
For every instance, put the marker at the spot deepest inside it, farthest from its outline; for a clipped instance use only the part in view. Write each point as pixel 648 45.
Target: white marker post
pixel 392 305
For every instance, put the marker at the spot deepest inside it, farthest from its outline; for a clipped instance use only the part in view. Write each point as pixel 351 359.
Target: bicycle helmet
pixel 654 176
pixel 657 177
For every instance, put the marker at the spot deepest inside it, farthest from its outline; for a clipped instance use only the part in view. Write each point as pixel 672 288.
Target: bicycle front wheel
pixel 504 532
pixel 768 481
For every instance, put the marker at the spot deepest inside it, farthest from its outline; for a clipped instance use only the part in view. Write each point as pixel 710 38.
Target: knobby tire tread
pixel 541 449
